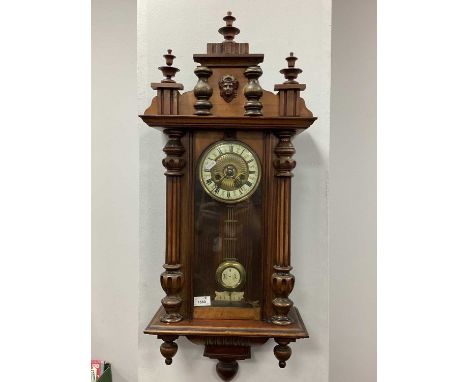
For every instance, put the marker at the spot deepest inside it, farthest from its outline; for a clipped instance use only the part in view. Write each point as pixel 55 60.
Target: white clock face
pixel 229 171
pixel 230 277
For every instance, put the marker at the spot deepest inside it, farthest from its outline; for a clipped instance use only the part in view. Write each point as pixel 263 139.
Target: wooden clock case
pixel 228 103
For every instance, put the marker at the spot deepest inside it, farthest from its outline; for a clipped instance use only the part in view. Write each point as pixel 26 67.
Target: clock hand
pixel 219 181
pixel 237 181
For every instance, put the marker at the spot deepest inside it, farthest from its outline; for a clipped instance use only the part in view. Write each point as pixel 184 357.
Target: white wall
pixel 186 27
pixel 353 188
pixel 114 187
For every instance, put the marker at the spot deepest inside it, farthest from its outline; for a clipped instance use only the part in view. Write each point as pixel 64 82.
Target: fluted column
pixel 172 278
pixel 282 279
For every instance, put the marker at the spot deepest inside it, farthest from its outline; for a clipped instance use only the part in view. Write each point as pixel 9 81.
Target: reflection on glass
pixel 227 237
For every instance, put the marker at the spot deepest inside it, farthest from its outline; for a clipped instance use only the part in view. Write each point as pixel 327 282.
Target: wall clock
pixel 229 164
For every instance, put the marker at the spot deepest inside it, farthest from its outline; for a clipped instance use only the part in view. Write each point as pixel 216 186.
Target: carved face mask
pixel 228 86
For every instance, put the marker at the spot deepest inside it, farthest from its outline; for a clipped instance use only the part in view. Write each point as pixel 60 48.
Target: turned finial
pixel 291 60
pixel 168 71
pixel 291 72
pixel 228 31
pixel 169 57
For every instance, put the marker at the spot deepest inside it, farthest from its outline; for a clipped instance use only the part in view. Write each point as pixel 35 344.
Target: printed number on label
pixel 202 301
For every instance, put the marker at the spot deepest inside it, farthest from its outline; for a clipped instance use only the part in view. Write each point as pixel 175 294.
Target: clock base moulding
pixel 228 341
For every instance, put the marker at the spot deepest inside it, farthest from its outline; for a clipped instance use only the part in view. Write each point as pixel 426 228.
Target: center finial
pixel 228 31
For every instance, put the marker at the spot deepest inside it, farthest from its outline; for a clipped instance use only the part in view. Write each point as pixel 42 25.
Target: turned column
pixel 203 91
pixel 253 92
pixel 172 278
pixel 282 279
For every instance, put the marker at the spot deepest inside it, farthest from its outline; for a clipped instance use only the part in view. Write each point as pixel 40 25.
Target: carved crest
pixel 228 86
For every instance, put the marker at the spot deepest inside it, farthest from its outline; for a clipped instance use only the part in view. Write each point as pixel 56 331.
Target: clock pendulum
pixel 230 274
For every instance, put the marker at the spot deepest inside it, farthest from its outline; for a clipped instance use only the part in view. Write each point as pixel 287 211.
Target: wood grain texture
pixel 223 328
pixel 190 122
pixel 226 313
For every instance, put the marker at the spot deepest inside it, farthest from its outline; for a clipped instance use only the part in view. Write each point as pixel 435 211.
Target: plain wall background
pixel 114 241
pixel 353 192
pixel 115 170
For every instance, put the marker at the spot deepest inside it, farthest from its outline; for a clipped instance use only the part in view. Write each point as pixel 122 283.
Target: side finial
pixel 229 31
pixel 168 71
pixel 291 72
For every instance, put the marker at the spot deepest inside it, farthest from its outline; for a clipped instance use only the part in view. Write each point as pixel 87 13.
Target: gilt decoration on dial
pixel 229 171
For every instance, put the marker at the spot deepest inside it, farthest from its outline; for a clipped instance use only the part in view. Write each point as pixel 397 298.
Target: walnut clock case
pixel 229 162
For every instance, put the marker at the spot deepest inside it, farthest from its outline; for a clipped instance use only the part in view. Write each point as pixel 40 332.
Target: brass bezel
pixel 220 143
pixel 231 264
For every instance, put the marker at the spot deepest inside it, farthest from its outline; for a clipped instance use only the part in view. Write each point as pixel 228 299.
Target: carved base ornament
pixel 229 166
pixel 282 351
pixel 168 348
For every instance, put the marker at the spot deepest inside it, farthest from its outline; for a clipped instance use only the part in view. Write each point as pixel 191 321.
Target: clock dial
pixel 229 171
pixel 230 275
